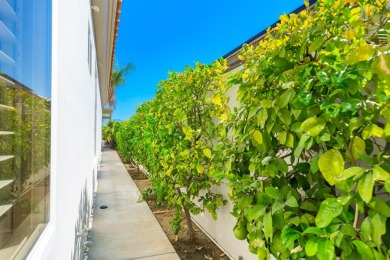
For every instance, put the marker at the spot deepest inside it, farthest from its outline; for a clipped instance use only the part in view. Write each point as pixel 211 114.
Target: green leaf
pixel 362 53
pixel 281 164
pixel 258 136
pixel 296 127
pixel 207 152
pixel 379 206
pixel 314 230
pixel 355 123
pixel 290 141
pixel 366 187
pixel 314 163
pixel 325 249
pixel 285 98
pixel 256 212
pixel 295 220
pixel 268 227
pixel 311 246
pixel 387 185
pixel 325 137
pixel 365 231
pixel 184 153
pixel 363 249
pixel 244 202
pixel 306 205
pixel 316 44
pixel 380 174
pixel 289 235
pixel 313 126
pixel 285 116
pixel 348 230
pixel 347 173
pixel 199 168
pixel 274 193
pixel 381 65
pixel 331 165
pixel 292 202
pixel 372 131
pixel 262 117
pixel 282 137
pixel 278 204
pixel 379 256
pixel 378 229
pixel 266 103
pixel 187 130
pixel 329 209
pixel 301 145
pixel 357 148
pixel 343 200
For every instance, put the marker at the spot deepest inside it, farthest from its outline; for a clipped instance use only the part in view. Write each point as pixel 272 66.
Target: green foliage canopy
pixel 307 150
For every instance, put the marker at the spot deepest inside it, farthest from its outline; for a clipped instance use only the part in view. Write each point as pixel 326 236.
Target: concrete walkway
pixel 126 229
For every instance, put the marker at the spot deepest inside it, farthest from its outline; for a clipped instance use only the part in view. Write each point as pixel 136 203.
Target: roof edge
pixel 258 36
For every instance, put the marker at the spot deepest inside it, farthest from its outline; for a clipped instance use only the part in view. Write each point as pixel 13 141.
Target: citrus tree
pixel 308 158
pixel 178 132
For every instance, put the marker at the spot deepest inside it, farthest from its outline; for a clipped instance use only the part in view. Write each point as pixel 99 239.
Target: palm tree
pixel 118 78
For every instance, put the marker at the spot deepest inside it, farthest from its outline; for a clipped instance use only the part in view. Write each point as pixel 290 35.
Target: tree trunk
pixel 190 229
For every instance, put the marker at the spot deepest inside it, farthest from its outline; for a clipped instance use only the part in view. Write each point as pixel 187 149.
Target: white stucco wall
pixel 74 153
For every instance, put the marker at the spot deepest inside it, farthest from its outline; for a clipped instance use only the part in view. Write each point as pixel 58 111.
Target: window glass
pixel 25 92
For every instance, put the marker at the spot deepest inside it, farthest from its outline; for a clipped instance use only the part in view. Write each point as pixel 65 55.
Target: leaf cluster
pixel 309 159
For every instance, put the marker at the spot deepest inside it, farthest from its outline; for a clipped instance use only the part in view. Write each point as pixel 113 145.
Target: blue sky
pixel 162 36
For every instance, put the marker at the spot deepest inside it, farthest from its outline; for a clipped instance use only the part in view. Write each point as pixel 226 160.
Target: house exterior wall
pixel 76 131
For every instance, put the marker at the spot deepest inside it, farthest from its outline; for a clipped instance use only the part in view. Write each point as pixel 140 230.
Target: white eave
pixel 104 24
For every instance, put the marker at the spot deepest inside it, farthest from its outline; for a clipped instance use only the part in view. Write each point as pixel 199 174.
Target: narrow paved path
pixel 125 229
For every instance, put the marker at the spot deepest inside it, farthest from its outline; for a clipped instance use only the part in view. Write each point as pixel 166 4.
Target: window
pixel 25 90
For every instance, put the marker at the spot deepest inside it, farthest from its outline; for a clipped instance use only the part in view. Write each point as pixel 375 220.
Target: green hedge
pixel 306 153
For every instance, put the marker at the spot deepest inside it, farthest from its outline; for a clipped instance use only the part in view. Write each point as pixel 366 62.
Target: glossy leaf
pixel 380 174
pixel 329 209
pixel 316 44
pixel 256 212
pixel 313 126
pixel 347 173
pixel 273 193
pixel 379 206
pixel 289 235
pixel 360 54
pixel 366 187
pixel 311 247
pixel 363 249
pixel 268 227
pixel 331 165
pixel 325 249
pixel 292 202
pixel 258 136
pixel 207 152
pixel 357 148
